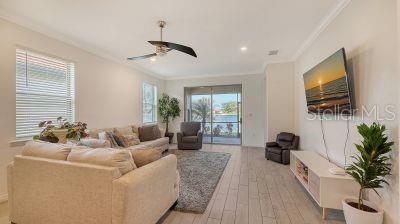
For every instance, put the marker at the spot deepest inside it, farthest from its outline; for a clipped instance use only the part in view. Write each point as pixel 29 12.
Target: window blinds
pixel 44 91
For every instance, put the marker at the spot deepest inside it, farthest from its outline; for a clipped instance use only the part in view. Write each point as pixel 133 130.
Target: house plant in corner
pixel 169 109
pixel 369 170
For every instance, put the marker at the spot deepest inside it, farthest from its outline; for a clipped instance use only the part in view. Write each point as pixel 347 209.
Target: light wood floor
pixel 252 190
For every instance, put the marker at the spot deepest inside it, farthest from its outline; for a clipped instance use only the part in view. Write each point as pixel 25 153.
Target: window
pixel 149 103
pixel 44 91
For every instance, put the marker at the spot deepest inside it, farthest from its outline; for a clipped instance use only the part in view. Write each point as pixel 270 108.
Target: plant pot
pixel 170 136
pixel 48 139
pixel 61 134
pixel 357 216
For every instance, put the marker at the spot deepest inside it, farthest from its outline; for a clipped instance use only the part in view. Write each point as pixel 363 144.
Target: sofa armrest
pixel 41 188
pixel 179 136
pixel 290 147
pixel 145 194
pixel 285 157
pixel 200 136
pixel 271 144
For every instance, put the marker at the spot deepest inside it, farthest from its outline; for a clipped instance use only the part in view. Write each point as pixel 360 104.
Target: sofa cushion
pixel 145 156
pixel 284 144
pixel 128 137
pixel 119 158
pixel 189 139
pixel 190 128
pixel 149 132
pixel 127 130
pixel 275 150
pixel 94 143
pixel 131 140
pixel 46 150
pixel 140 146
pixel 94 133
pixel 285 136
pixel 156 143
pixel 135 129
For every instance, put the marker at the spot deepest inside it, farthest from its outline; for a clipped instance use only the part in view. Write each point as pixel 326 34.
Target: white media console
pixel 328 190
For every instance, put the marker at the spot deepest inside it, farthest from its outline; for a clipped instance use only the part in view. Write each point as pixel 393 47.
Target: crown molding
pixel 21 21
pixel 213 75
pixel 266 63
pixel 94 50
pixel 320 28
pixel 314 35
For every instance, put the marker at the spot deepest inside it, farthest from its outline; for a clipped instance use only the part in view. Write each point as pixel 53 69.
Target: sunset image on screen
pixel 326 85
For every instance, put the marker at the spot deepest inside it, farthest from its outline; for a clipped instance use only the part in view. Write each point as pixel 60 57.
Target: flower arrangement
pixel 75 130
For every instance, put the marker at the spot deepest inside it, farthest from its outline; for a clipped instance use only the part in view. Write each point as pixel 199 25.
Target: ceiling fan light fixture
pixel 162 47
pixel 153 59
pixel 161 50
pixel 243 49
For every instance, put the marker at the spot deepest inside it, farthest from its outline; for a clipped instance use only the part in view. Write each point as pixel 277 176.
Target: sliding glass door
pixel 218 108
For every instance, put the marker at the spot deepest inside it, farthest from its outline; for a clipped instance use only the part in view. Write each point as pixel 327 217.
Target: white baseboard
pixel 3 198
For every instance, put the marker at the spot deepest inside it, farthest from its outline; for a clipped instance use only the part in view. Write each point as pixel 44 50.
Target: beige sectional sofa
pixel 46 187
pixel 162 142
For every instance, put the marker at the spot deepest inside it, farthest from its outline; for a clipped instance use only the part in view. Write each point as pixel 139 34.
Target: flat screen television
pixel 328 86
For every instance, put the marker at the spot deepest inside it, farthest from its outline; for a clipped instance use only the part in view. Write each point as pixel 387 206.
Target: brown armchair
pixel 279 151
pixel 190 136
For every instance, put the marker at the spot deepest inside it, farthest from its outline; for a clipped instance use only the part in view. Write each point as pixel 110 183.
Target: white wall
pixel 107 94
pixel 367 30
pixel 279 99
pixel 253 102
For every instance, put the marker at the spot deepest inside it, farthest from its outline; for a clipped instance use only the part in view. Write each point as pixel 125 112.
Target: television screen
pixel 327 86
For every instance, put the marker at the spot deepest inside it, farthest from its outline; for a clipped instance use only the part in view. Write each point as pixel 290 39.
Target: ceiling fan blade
pixel 178 47
pixel 142 57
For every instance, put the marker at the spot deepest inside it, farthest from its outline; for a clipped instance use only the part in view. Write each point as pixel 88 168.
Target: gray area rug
pixel 200 172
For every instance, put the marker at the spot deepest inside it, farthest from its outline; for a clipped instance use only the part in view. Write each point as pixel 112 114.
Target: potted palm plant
pixel 168 109
pixel 369 170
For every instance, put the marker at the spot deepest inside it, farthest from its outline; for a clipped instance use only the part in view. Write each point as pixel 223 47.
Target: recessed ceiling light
pixel 243 49
pixel 153 59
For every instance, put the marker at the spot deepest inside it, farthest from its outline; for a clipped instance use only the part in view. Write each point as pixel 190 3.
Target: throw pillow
pixel 106 135
pixel 128 139
pixel 119 140
pixel 135 129
pixel 119 158
pixel 46 150
pixel 95 143
pixel 131 140
pixel 149 133
pixel 145 156
pixel 94 133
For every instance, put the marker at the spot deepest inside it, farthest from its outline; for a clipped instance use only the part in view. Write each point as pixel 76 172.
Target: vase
pixel 61 134
pixel 170 136
pixel 357 216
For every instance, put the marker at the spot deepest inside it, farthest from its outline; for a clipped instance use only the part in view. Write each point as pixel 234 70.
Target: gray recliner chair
pixel 190 136
pixel 279 151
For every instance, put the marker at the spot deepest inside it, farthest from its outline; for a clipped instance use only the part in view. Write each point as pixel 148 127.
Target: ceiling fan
pixel 163 47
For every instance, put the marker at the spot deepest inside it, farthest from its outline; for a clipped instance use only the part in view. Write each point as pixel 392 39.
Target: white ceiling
pixel 215 29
